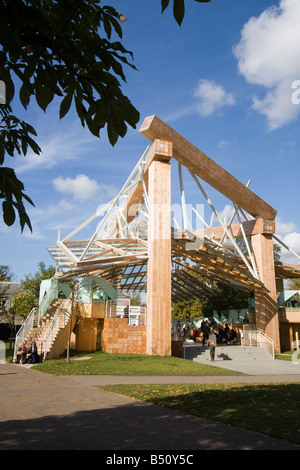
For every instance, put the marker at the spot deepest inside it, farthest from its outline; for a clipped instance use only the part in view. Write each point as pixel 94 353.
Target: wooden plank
pixel 107 246
pixel 67 252
pixel 204 167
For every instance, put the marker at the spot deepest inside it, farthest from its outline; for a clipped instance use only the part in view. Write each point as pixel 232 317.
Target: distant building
pixel 8 291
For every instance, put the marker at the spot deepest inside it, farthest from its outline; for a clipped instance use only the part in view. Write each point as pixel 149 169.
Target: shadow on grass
pixel 272 409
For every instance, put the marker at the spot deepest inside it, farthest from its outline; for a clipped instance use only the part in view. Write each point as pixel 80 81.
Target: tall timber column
pixel 159 252
pixel 267 318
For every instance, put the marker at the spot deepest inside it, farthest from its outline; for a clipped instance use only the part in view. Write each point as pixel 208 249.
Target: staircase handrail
pixel 65 313
pixel 46 302
pixel 24 330
pixel 262 336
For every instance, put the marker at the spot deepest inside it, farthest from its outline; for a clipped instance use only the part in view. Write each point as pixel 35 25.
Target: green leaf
pixel 24 95
pixel 11 190
pixel 65 105
pixel 178 11
pixel 178 8
pixel 164 5
pixel 9 215
pixel 112 134
pixel 43 94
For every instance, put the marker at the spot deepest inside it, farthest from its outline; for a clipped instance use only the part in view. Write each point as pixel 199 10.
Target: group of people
pixel 224 334
pixel 211 334
pixel 27 355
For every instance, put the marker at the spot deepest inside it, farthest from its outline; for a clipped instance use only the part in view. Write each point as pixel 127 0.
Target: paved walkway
pixel 44 412
pixel 260 367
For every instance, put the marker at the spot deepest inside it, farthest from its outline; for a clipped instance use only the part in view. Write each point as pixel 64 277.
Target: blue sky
pixel 223 80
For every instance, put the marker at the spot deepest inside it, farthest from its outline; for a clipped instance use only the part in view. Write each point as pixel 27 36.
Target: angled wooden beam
pixel 204 167
pixel 159 151
pixel 251 227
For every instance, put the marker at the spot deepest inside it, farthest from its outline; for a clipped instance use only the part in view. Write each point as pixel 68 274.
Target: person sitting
pixel 232 336
pixel 221 335
pixel 32 354
pixel 21 354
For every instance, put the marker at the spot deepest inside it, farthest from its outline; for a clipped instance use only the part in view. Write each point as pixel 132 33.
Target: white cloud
pixel 56 148
pixel 268 55
pixel 224 143
pixel 82 188
pixel 292 241
pixel 287 233
pixel 227 212
pixel 212 97
pixel 284 228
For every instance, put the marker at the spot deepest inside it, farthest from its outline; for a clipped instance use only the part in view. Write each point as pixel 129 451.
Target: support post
pixel 267 317
pixel 159 263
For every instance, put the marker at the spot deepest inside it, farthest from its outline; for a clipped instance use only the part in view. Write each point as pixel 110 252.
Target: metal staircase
pixel 45 329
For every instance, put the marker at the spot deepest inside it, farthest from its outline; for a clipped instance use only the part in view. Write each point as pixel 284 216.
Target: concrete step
pixel 194 352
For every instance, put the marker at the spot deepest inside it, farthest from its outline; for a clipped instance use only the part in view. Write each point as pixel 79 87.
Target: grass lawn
pixel 286 356
pixel 271 409
pixel 100 363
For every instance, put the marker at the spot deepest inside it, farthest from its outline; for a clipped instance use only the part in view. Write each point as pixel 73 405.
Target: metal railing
pixel 47 300
pixel 59 321
pixel 24 330
pixel 257 338
pixel 136 315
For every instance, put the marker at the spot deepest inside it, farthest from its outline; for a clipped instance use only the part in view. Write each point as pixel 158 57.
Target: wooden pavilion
pixel 138 247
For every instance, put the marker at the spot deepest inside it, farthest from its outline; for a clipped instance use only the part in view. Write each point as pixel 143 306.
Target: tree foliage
pixel 31 282
pixel 293 284
pixel 23 303
pixel 64 49
pixel 188 309
pixel 136 300
pixel 5 274
pixel 225 298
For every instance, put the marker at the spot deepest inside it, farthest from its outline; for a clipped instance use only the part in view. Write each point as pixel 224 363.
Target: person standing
pixel 212 342
pixel 205 331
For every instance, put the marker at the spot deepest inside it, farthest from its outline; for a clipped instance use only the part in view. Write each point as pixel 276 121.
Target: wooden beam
pixel 251 227
pixel 160 150
pixel 158 330
pixel 73 259
pixel 267 317
pixel 203 166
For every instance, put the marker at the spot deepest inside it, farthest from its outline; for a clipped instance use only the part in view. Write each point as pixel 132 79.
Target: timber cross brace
pixel 137 245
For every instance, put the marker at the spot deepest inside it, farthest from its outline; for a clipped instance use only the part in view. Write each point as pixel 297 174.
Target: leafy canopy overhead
pixel 57 48
pixel 64 49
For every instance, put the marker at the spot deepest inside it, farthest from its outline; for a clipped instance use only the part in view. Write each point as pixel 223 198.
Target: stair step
pixel 192 352
pixel 37 334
